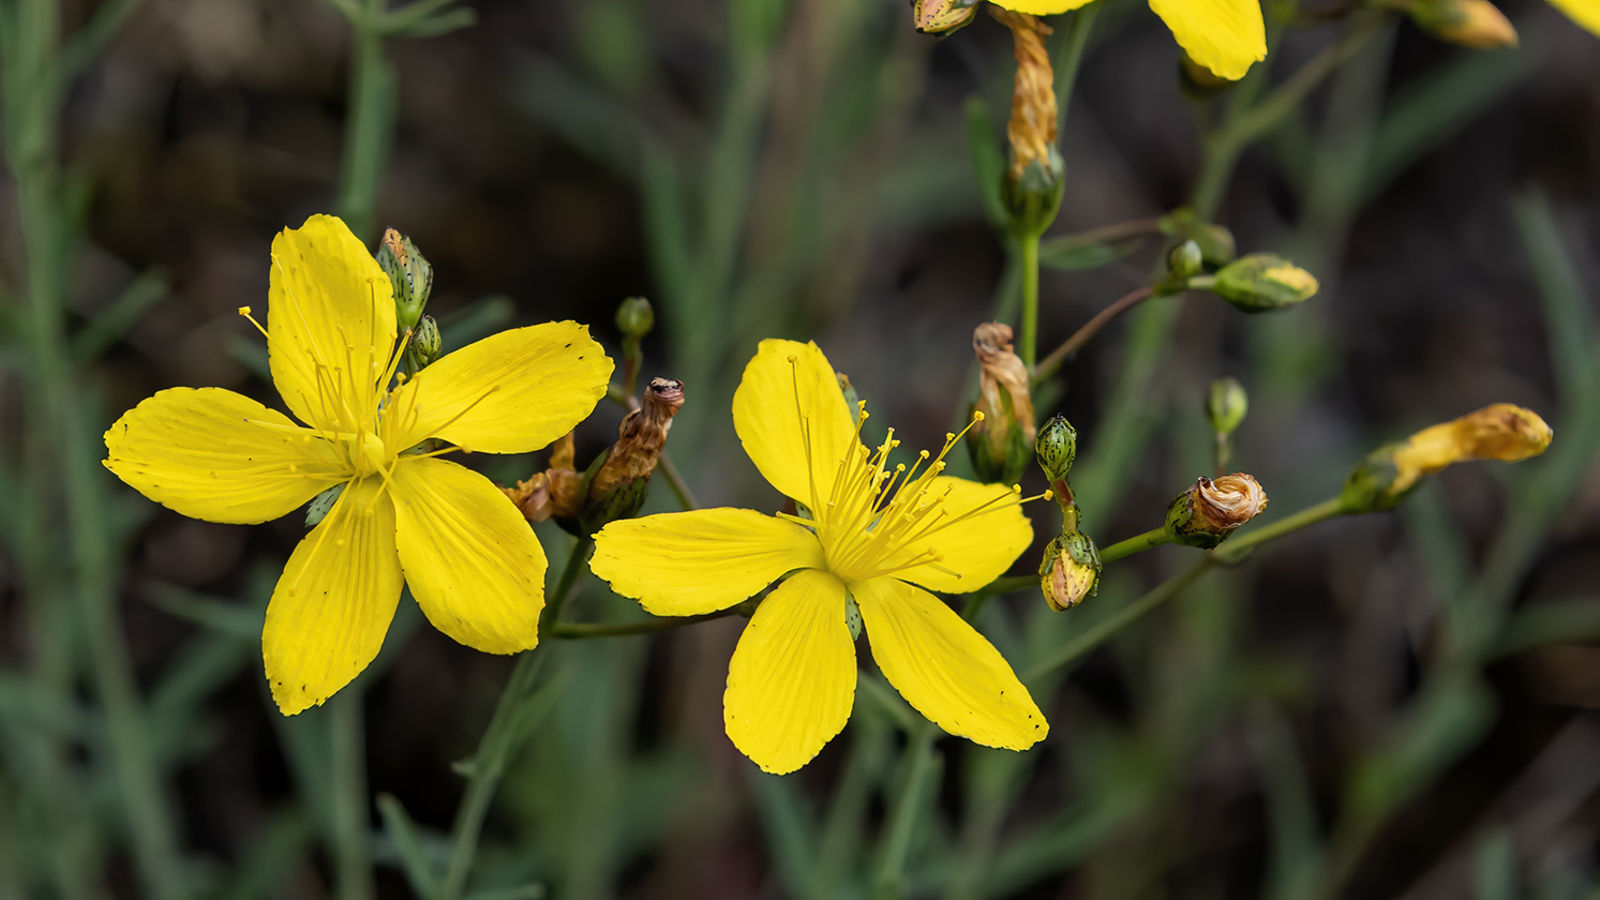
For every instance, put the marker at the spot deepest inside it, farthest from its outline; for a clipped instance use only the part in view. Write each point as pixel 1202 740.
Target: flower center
pixel 368 455
pixel 873 519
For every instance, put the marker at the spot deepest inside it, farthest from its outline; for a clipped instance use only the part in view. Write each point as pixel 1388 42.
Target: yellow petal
pixel 330 321
pixel 1225 36
pixel 1585 12
pixel 986 534
pixel 689 563
pixel 334 601
pixel 511 392
pixel 215 455
pixel 792 679
pixel 1041 7
pixel 945 668
pixel 792 418
pixel 473 563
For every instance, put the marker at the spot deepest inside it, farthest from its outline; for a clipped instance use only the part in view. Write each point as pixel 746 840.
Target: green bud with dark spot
pixel 410 276
pixel 322 504
pixel 852 616
pixel 1056 448
pixel 1070 570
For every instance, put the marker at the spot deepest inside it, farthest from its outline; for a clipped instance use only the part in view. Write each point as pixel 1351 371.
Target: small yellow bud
pixel 1475 24
pixel 1500 431
pixel 1261 282
pixel 1070 571
pixel 942 16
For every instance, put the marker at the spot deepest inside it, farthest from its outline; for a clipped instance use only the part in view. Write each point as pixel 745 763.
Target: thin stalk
pixel 582 631
pixel 916 762
pixel 352 857
pixel 674 478
pixel 1235 550
pixel 1139 543
pixel 499 737
pixel 370 102
pixel 33 96
pixel 1108 234
pixel 1073 344
pixel 1070 58
pixel 1029 245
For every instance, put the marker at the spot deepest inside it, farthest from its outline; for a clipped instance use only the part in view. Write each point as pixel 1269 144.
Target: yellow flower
pixel 473 564
pixel 1500 431
pixel 1225 36
pixel 1584 12
pixel 791 682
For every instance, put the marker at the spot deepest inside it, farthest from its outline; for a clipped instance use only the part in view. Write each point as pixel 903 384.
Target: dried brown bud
pixel 1002 442
pixel 553 492
pixel 1032 129
pixel 617 489
pixel 1207 513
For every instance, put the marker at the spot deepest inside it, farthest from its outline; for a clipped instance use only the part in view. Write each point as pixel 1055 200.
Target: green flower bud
pixel 1070 571
pixel 1217 247
pixel 1226 405
pixel 1204 515
pixel 1056 448
pixel 1262 282
pixel 635 317
pixel 1034 197
pixel 1184 261
pixel 410 276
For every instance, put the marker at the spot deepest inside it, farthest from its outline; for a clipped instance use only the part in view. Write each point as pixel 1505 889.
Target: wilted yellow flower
pixel 791 682
pixel 1225 36
pixel 1002 443
pixel 1501 431
pixel 473 564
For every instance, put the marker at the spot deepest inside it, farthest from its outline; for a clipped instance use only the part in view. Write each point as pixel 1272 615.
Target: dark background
pixel 803 170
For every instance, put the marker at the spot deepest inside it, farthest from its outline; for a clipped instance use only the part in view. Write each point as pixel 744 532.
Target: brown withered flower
pixel 1002 443
pixel 553 492
pixel 617 489
pixel 1032 129
pixel 1207 513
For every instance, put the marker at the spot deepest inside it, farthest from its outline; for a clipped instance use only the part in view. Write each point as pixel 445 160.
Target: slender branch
pixel 500 735
pixel 1107 234
pixel 1051 363
pixel 1139 543
pixel 917 764
pixel 582 631
pixel 347 750
pixel 1235 550
pixel 1288 96
pixel 1070 58
pixel 1029 244
pixel 680 488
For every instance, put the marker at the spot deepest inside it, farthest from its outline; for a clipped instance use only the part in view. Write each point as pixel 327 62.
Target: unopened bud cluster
pixel 1475 24
pixel 1070 570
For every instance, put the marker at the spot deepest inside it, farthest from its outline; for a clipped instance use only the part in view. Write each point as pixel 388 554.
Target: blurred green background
pixel 1379 706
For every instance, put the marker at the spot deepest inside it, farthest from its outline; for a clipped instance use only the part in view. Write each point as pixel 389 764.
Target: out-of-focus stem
pixel 1139 543
pixel 901 825
pixel 1073 344
pixel 1029 338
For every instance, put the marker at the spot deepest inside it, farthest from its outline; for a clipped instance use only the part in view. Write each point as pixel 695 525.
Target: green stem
pixel 582 631
pixel 917 763
pixel 1073 344
pixel 680 488
pixel 500 735
pixel 352 859
pixel 1029 244
pixel 370 103
pixel 1237 547
pixel 1107 234
pixel 1139 543
pixel 1235 550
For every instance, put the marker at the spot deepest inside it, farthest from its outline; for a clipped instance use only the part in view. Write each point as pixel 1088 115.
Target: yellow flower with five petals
pixel 473 564
pixel 1225 36
pixel 883 536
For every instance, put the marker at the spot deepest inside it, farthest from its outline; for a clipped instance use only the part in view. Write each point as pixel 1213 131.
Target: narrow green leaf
pixel 988 164
pixel 109 325
pixel 402 833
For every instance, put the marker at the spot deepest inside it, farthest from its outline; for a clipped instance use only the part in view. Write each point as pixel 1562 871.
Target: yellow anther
pixel 977 415
pixel 244 311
